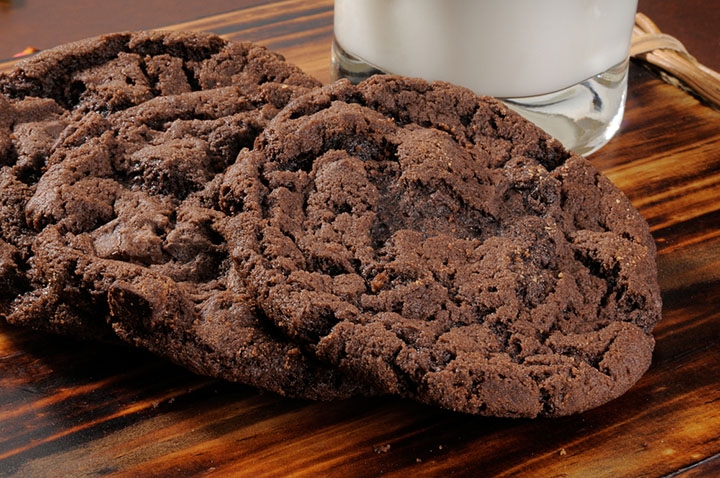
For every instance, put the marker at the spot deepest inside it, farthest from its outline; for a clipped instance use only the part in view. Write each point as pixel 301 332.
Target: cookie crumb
pixel 381 448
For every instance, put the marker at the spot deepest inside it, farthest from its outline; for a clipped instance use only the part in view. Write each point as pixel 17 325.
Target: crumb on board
pixel 382 448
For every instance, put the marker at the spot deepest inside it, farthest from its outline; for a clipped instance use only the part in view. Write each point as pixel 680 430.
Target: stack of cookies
pixel 213 204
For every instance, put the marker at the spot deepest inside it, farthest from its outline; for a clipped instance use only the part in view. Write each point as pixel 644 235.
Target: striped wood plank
pixel 70 409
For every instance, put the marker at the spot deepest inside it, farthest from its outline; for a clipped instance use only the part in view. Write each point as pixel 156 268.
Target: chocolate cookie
pixel 101 75
pixel 122 178
pixel 110 220
pixel 434 244
pixel 115 71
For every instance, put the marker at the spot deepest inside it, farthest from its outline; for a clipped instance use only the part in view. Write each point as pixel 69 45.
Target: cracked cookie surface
pixel 109 219
pixel 436 245
pixel 112 72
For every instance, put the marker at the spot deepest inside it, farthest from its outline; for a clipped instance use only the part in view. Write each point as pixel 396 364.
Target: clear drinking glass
pixel 562 64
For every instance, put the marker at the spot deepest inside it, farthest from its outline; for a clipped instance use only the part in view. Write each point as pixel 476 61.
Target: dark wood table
pixel 78 409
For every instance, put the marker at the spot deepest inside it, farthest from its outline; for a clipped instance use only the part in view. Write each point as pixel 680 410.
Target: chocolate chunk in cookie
pixel 434 244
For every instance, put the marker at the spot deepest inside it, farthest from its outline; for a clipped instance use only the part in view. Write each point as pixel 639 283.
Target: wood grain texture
pixel 76 409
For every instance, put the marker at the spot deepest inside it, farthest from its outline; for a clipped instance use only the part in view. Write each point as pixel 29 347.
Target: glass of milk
pixel 562 64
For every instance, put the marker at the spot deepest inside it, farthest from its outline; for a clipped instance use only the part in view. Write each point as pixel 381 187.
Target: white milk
pixel 503 48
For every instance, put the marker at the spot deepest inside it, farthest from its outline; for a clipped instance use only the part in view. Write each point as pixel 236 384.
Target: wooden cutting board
pixel 77 409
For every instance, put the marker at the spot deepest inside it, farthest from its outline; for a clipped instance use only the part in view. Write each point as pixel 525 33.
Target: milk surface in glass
pixel 561 63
